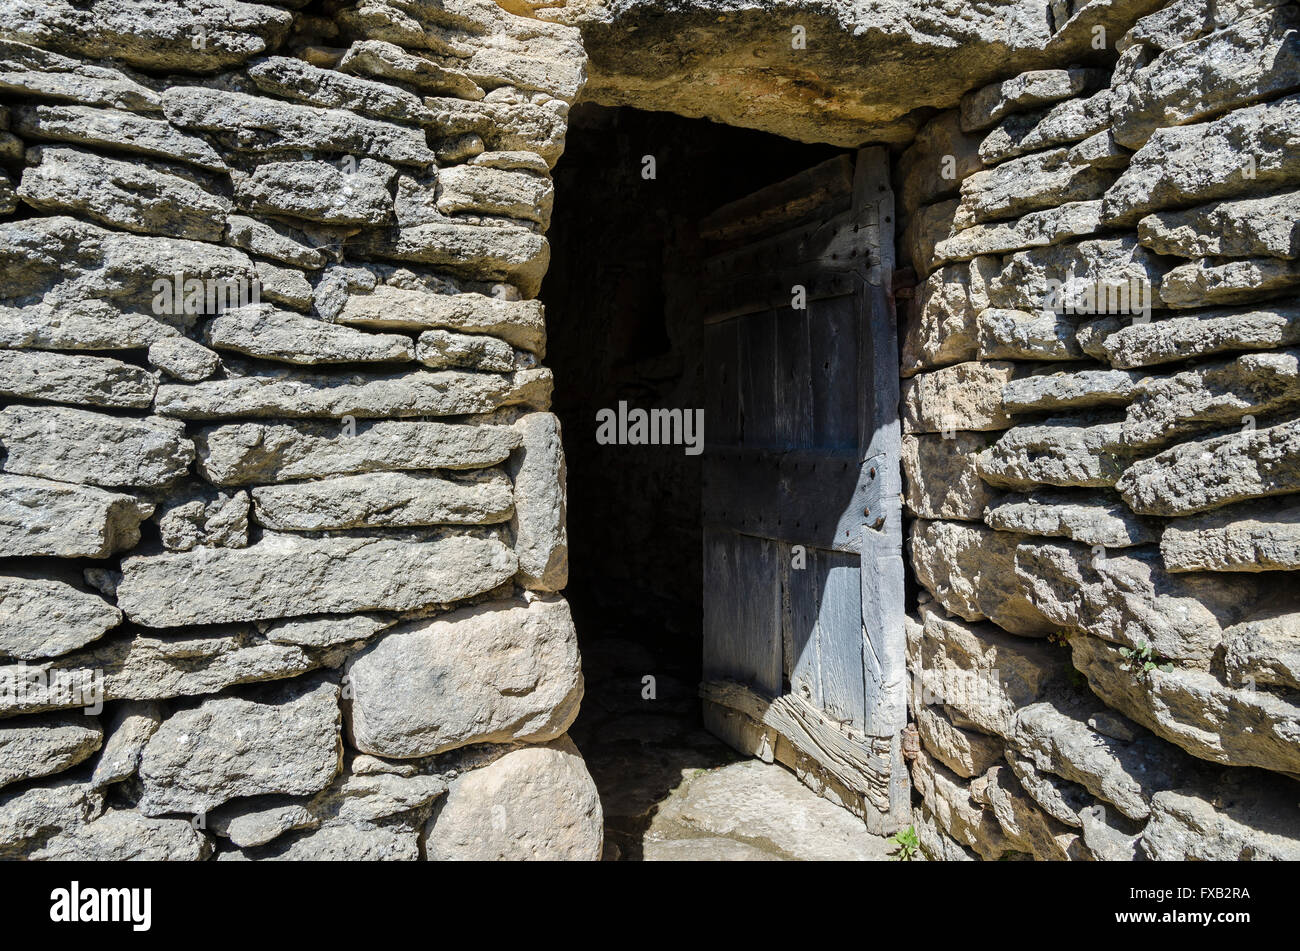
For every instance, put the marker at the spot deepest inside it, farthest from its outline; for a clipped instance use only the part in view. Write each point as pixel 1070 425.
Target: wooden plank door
pixel 803 569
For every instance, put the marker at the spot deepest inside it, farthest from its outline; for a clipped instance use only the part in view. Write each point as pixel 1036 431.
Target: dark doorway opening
pixel 624 305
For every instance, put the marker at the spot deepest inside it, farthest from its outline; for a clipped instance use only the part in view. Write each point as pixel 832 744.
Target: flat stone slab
pixel 286 576
pixel 763 806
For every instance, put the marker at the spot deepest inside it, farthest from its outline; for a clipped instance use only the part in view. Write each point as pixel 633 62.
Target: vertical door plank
pixel 880 440
pixel 743 611
pixel 839 623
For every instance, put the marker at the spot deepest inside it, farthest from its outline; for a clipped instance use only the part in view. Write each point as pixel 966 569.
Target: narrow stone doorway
pixel 626 297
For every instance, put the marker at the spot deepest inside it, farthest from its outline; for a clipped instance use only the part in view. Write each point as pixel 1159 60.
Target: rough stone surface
pixel 183 359
pixel 1129 598
pixel 49 744
pixel 390 499
pixel 74 379
pixel 131 725
pixel 297 394
pixel 1061 451
pixel 48 616
pixel 1254 58
pixel 942 481
pixel 1194 710
pixel 970 570
pixel 40 517
pixel 286 337
pixel 1204 333
pixel 533 803
pixel 284 575
pixel 244 453
pixel 1092 518
pixel 500 672
pixel 1245 227
pixel 1223 394
pixel 965 396
pixel 73 445
pixel 540 513
pixel 286 742
pixel 519 323
pixel 1258 539
pixel 1189 165
pixel 130 195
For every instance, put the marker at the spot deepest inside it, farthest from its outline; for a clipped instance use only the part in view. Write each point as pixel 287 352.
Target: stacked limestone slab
pixel 1107 530
pixel 279 569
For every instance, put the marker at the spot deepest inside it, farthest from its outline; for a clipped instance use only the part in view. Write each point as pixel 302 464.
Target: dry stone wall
pixel 1101 409
pixel 281 504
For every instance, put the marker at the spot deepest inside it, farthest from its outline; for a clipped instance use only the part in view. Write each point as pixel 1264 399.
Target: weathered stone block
pixel 1066 390
pixel 1201 334
pixel 1021 335
pixel 1254 538
pixel 1104 275
pixel 1063 123
pixel 130 726
pixel 1034 230
pixel 501 672
pixel 938 159
pixel 272 334
pixel 195 516
pixel 966 752
pixel 1038 181
pixel 152 35
pixel 941 324
pixel 78 446
pixel 134 196
pixel 384 500
pixel 479 251
pixel 1264 648
pixel 1092 518
pixel 538 802
pixel 1128 597
pixel 298 394
pixel 942 482
pixel 285 741
pixel 540 516
pixel 1061 451
pixel 39 517
pixel 389 61
pixel 1253 820
pixel 493 191
pixel 285 576
pixel 118 130
pixel 260 124
pixel 319 191
pixel 983 107
pixel 983 675
pixel 1254 58
pixel 75 379
pixel 1208 473
pixel 1195 710
pixel 183 359
pixel 438 349
pixel 48 616
pixel 519 323
pixel 970 570
pixel 1208 281
pixel 1246 151
pixel 1243 227
pixel 965 396
pixel 245 453
pixel 42 746
pixel 1216 394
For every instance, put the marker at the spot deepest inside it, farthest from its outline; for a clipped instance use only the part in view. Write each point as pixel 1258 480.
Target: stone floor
pixel 672 792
